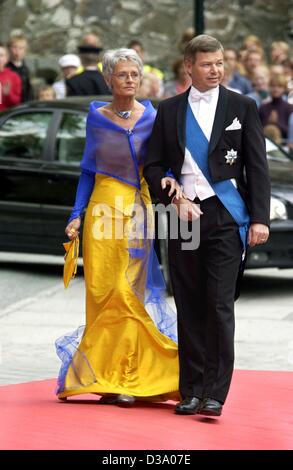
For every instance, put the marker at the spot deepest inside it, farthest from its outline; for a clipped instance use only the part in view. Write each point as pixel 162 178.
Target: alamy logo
pixel 137 222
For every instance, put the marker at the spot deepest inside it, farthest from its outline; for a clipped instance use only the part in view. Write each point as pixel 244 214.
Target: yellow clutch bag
pixel 70 257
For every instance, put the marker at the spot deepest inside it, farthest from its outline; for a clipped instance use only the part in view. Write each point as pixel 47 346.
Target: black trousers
pixel 203 282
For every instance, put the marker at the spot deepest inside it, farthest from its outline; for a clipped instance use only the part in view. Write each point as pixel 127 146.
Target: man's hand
pixel 258 234
pixel 186 209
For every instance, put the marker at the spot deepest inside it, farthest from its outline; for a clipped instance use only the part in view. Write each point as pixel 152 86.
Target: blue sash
pixel 198 146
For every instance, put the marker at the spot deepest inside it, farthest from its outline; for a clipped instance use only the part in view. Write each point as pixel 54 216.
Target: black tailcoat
pixel 204 280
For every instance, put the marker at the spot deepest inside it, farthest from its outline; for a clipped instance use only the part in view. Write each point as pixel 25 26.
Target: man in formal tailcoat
pixel 210 139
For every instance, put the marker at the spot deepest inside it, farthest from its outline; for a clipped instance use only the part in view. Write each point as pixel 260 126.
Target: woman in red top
pixel 10 83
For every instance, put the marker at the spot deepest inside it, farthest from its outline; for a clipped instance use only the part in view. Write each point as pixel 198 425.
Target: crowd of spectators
pixel 266 78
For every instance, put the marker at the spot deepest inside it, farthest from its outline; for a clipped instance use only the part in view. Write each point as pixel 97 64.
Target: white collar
pixel 209 95
pixel 211 91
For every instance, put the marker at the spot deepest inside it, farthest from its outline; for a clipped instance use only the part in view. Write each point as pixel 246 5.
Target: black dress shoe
pixel 188 406
pixel 211 407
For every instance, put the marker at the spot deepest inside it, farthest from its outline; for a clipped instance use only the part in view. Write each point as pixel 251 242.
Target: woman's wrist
pixel 73 217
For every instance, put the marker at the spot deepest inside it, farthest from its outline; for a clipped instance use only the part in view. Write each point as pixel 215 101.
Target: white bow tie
pixel 197 95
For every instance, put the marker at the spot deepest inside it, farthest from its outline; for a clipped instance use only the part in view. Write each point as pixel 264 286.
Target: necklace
pixel 123 114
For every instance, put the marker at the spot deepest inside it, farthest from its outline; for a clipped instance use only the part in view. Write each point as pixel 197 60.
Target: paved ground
pixel 35 310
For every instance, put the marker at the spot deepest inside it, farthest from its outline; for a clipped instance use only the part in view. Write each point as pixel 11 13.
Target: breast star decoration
pixel 231 156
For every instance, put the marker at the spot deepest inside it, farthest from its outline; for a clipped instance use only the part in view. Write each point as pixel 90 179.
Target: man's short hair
pixel 18 38
pixel 201 43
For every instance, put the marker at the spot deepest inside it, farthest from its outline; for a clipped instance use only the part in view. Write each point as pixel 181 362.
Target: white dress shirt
pixel 193 181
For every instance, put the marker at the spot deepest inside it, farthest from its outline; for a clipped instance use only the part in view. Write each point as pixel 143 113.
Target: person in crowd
pixel 253 59
pixel 181 80
pixel 186 36
pixel 10 82
pixel 137 45
pixel 276 69
pixel 94 40
pixel 17 52
pixel 128 349
pixel 157 86
pixel 69 64
pixel 237 81
pixel 227 78
pixel 145 89
pixel 277 111
pixel 288 74
pixel 251 42
pixel 90 81
pixel 46 93
pixel 211 140
pixel 260 82
pixel 241 55
pixel 279 52
pixel 156 75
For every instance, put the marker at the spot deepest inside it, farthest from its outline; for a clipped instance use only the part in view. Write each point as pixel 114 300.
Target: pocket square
pixel 234 126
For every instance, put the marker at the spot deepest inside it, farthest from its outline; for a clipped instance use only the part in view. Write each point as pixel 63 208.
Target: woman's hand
pixel 72 228
pixel 174 186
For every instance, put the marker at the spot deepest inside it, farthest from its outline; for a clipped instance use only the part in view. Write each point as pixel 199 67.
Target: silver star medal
pixel 231 156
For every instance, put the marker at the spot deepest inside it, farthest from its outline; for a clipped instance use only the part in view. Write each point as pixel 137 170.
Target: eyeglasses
pixel 122 76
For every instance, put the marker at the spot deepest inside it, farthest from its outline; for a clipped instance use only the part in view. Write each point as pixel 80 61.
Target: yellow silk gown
pixel 121 350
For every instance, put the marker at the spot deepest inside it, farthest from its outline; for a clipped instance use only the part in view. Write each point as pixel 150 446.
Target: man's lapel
pixel 219 118
pixel 181 120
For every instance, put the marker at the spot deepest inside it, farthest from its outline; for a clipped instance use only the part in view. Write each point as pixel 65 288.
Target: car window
pixel 274 152
pixel 23 135
pixel 71 137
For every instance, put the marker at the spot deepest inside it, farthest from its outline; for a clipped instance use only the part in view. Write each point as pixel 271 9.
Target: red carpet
pixel 257 415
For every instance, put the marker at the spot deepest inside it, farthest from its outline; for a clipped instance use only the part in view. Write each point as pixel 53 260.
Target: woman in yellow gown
pixel 128 349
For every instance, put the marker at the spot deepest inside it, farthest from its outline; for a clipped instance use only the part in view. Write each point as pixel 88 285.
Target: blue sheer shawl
pixel 114 151
pixel 111 150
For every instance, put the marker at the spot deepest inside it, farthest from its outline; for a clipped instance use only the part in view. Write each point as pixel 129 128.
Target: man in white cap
pixel 69 64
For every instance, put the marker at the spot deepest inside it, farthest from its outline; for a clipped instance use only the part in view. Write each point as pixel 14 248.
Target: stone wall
pixel 55 27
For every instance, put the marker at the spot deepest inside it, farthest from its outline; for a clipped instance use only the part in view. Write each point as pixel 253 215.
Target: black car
pixel 41 144
pixel 278 251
